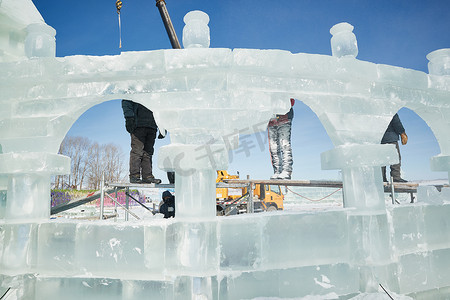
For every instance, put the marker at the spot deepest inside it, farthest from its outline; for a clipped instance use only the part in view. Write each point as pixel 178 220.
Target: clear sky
pixel 392 32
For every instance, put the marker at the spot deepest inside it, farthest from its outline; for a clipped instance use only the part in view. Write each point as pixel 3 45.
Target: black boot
pixel 151 179
pixel 171 177
pixel 135 179
pixel 383 171
pixel 399 179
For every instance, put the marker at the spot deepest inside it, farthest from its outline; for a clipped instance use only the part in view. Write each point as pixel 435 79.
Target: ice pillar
pixel 361 173
pixel 28 183
pixel 196 162
pixel 439 65
pixel 363 191
pixel 195 169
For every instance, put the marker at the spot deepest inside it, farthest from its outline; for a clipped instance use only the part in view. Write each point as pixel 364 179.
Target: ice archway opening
pixel 200 95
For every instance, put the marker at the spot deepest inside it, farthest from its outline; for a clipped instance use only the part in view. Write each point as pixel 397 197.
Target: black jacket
pixel 393 131
pixel 168 207
pixel 142 115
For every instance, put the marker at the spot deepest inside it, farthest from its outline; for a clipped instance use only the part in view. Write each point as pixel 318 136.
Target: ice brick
pixel 433 195
pixel 371 276
pixel 407 228
pixel 28 197
pixel 440 163
pixel 196 288
pixel 318 280
pixel 348 156
pixel 196 194
pixel 302 239
pixel 354 128
pixel 34 162
pixel 337 279
pixel 56 248
pixel 107 250
pixel 154 247
pixel 348 104
pixel 262 61
pixel 19 248
pixel 197 60
pixel 415 273
pixel 428 294
pixel 402 77
pixel 440 261
pixel 247 231
pixel 192 248
pixel 250 285
pixel 363 189
pixel 72 288
pixel 369 240
pixel 147 289
pixel 437 225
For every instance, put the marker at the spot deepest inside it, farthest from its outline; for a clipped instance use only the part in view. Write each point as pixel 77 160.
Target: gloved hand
pixel 404 138
pixel 130 124
pixel 161 136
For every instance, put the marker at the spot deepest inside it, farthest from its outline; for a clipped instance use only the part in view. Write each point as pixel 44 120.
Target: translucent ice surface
pixel 205 98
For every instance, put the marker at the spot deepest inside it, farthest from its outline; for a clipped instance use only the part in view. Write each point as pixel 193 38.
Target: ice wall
pixel 205 98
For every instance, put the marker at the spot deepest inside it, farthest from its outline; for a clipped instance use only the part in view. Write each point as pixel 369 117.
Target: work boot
pixel 151 179
pixel 135 179
pixel 400 180
pixel 171 177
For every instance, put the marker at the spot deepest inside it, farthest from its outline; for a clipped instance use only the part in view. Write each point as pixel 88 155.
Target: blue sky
pixel 393 32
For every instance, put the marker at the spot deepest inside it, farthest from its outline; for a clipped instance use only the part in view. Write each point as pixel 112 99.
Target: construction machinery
pixel 234 199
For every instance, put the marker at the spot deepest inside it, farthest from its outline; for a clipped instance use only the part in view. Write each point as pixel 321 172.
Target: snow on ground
pixel 296 199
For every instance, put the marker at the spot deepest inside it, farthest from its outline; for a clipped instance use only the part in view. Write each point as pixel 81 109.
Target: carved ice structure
pixel 205 98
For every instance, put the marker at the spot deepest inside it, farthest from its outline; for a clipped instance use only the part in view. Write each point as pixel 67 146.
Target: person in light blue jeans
pixel 279 130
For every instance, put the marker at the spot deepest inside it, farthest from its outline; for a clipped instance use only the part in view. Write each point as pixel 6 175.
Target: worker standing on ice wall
pixel 279 130
pixel 393 133
pixel 141 125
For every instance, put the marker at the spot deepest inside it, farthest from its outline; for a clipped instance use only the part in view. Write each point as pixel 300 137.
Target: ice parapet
pixel 439 62
pixel 196 30
pixel 343 42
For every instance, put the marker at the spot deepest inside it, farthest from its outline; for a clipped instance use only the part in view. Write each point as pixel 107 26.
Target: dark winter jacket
pixel 394 130
pixel 168 207
pixel 142 115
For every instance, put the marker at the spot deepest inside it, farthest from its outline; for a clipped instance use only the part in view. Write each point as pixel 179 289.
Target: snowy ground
pixel 296 199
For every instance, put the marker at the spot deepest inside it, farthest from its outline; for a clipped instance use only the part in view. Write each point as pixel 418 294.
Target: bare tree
pixel 95 166
pixel 79 160
pixel 113 163
pixel 89 161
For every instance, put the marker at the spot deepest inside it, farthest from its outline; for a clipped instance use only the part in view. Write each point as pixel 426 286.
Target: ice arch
pixel 197 93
